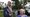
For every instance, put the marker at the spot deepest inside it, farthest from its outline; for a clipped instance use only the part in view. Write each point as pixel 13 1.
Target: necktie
pixel 8 10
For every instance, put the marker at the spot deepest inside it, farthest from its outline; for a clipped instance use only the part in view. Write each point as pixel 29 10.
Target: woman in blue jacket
pixel 21 13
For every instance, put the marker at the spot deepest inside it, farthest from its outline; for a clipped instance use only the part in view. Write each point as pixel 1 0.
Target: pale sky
pixel 5 1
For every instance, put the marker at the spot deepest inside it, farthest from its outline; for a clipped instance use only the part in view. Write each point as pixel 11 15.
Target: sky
pixel 5 1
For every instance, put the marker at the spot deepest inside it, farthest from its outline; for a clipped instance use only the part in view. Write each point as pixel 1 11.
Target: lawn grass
pixel 14 15
pixel 1 14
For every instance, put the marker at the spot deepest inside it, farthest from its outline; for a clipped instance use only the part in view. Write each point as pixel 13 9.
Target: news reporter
pixel 22 13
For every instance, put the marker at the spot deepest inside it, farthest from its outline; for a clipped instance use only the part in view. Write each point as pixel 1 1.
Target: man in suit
pixel 8 10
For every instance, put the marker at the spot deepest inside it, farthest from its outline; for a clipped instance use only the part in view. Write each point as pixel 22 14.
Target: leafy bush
pixel 0 8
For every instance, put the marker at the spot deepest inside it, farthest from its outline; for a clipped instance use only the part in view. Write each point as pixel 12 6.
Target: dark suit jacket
pixel 6 13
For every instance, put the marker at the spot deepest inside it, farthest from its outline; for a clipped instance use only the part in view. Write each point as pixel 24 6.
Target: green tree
pixel 1 5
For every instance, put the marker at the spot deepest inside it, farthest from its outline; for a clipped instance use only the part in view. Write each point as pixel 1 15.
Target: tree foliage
pixel 1 5
pixel 18 4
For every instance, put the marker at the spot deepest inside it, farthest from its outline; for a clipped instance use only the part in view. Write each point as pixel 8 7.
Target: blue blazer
pixel 20 16
pixel 6 13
